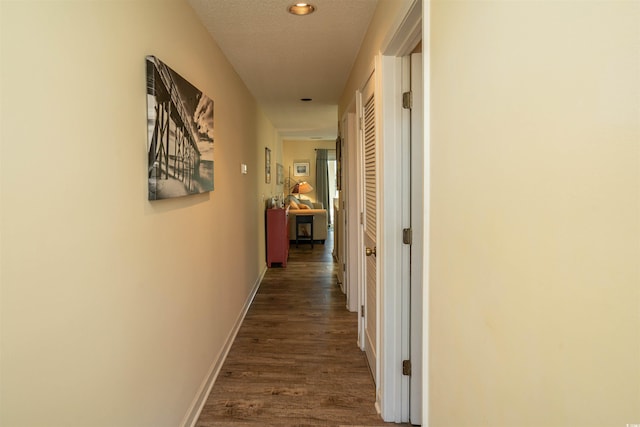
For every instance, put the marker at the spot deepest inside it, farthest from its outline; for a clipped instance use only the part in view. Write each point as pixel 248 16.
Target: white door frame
pixel 349 206
pixel 417 196
pixel 355 205
pixel 394 333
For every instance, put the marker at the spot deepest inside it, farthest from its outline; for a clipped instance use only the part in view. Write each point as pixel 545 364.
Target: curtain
pixel 322 179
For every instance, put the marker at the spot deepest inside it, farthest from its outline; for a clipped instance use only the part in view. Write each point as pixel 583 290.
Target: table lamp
pixel 302 188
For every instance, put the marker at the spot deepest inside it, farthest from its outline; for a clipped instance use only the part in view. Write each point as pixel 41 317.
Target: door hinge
pixel 406 367
pixel 361 123
pixel 407 236
pixel 362 311
pixel 344 266
pixel 361 217
pixel 407 100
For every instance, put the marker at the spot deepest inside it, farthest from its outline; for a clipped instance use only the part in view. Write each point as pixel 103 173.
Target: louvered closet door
pixel 370 225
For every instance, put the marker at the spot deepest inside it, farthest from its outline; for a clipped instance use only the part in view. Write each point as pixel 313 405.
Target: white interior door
pixel 369 222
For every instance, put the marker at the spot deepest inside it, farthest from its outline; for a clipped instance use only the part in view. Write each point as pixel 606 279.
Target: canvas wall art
pixel 180 134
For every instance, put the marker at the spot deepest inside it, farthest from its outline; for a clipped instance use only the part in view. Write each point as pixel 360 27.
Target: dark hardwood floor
pixel 295 360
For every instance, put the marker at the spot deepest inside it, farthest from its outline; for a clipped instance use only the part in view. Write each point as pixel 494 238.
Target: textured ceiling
pixel 282 58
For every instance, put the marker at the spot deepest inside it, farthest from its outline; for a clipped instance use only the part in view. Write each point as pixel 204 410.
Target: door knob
pixel 369 251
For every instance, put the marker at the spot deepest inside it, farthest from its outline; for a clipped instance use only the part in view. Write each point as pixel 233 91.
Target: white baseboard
pixel 193 413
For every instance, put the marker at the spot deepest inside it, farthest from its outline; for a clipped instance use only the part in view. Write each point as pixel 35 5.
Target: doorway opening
pixel 332 168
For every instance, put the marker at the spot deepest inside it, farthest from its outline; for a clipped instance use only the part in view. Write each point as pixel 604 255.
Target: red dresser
pixel 277 234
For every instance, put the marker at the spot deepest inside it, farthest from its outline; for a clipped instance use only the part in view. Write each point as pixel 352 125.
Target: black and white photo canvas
pixel 180 134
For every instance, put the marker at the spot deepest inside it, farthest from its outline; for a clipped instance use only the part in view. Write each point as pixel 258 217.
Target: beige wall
pixel 303 150
pixel 267 137
pixel 386 16
pixel 535 285
pixel 113 308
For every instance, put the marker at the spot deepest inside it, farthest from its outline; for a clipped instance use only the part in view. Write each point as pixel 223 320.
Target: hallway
pixel 295 360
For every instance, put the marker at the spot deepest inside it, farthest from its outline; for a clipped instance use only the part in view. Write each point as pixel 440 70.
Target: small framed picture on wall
pixel 301 168
pixel 279 174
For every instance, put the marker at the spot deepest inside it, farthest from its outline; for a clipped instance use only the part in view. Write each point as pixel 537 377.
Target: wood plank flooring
pixel 295 360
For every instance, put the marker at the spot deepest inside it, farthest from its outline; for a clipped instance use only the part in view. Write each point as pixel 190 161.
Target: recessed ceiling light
pixel 301 9
pixel 306 99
